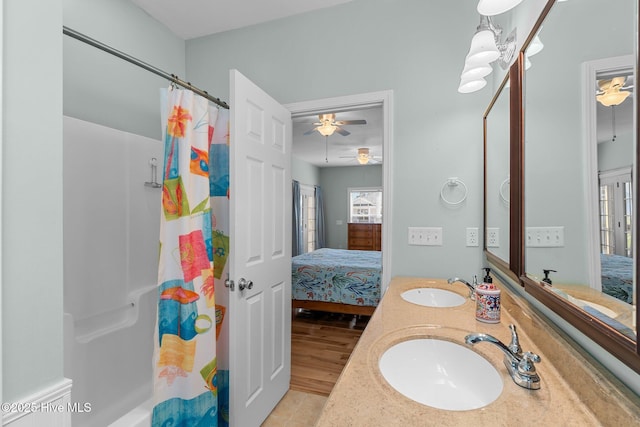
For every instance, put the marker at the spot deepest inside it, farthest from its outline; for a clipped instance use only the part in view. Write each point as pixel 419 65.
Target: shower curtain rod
pixel 171 77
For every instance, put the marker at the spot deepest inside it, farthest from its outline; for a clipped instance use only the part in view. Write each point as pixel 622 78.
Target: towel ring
pixel 453 182
pixel 505 183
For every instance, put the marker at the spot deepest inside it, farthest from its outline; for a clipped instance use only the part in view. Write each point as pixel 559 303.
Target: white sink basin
pixel 441 374
pixel 433 297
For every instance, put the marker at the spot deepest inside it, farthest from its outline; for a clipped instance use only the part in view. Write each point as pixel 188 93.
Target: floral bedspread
pixel 617 277
pixel 337 275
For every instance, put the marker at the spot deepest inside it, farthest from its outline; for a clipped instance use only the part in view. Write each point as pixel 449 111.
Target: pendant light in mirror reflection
pixel 486 48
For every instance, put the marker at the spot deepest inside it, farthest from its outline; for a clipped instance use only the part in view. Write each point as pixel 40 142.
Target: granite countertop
pixel 362 397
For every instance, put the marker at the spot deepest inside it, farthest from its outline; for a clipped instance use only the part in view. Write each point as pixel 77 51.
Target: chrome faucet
pixel 520 365
pixel 472 288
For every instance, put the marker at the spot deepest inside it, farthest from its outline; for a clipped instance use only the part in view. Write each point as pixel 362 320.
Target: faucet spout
pixel 476 338
pixel 472 288
pixel 520 366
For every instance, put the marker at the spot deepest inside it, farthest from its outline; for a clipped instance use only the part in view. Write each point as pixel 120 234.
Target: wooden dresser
pixel 364 237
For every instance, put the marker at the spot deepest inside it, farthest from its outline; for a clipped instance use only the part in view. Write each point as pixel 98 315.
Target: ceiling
pixel 196 18
pixel 315 148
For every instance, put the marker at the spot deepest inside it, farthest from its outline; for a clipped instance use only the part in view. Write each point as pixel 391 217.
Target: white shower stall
pixel 112 205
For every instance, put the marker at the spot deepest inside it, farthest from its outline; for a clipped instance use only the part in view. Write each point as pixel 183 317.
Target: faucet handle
pixel 514 346
pixel 526 367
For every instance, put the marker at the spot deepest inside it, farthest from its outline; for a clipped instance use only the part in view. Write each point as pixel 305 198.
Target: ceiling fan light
pixel 327 129
pixel 483 48
pixel 475 71
pixel 468 86
pixel 496 7
pixel 363 156
pixel 614 97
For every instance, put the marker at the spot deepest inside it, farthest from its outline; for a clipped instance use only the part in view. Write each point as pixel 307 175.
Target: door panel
pixel 260 207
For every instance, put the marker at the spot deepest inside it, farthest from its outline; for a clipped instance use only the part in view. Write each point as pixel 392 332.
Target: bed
pixel 617 277
pixel 337 280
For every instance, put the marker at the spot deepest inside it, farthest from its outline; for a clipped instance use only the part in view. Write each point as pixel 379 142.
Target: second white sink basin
pixel 433 297
pixel 441 374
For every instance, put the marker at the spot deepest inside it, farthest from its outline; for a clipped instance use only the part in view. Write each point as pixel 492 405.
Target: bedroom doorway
pixel 383 100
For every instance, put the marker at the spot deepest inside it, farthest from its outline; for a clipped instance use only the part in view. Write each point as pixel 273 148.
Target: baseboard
pixel 50 406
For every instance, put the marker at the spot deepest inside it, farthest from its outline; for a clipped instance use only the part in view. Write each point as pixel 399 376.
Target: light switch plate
pixel 425 236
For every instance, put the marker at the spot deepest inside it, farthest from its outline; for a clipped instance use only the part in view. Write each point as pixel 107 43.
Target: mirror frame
pixel 622 347
pixel 514 268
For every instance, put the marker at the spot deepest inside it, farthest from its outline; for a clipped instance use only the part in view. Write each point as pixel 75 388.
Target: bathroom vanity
pixel 362 396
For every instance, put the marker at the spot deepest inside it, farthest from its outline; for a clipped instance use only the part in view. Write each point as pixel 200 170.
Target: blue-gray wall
pixel 31 197
pixel 334 183
pixel 304 173
pixel 380 45
pixel 106 90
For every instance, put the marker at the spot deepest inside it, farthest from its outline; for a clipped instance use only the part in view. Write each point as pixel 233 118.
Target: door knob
pixel 245 284
pixel 229 284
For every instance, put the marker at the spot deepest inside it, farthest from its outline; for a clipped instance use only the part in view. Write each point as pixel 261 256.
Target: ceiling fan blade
pixel 342 131
pixel 310 131
pixel 350 122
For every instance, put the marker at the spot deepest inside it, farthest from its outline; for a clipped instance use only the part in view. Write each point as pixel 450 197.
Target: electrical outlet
pixel 472 236
pixel 425 236
pixel 493 237
pixel 545 237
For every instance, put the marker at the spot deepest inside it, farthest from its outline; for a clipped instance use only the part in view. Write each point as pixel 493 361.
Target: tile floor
pixel 296 409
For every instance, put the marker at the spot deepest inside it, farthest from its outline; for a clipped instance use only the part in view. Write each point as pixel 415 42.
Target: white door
pixel 260 253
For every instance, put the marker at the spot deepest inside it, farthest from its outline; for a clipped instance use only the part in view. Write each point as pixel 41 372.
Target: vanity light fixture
pixel 485 49
pixel 496 7
pixel 471 72
pixel 473 85
pixel 535 46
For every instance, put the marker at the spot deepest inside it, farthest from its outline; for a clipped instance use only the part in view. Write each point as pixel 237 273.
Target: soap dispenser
pixel 487 300
pixel 546 279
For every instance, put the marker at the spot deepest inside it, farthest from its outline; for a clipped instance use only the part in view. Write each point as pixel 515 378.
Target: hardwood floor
pixel 321 344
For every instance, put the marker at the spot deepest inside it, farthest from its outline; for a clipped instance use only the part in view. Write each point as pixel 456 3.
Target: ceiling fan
pixel 364 157
pixel 612 91
pixel 328 125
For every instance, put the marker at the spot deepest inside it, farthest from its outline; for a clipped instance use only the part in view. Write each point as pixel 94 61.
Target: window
pixel 616 212
pixel 365 205
pixel 308 218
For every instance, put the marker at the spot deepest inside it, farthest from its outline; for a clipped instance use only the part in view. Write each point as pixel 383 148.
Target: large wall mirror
pixel 580 157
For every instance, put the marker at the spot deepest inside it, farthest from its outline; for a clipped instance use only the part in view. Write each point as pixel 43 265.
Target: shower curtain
pixel 185 362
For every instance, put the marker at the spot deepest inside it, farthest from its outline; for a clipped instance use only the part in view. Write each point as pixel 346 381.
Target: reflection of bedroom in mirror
pixel 337 169
pixel 580 140
pixel 614 168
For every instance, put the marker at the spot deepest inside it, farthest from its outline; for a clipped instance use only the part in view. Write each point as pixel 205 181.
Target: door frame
pixel 590 70
pixel 382 99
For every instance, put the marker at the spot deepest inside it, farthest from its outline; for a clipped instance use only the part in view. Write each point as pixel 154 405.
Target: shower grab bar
pixel 107 311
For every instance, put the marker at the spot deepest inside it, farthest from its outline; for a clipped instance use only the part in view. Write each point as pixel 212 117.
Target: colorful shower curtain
pixel 185 362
